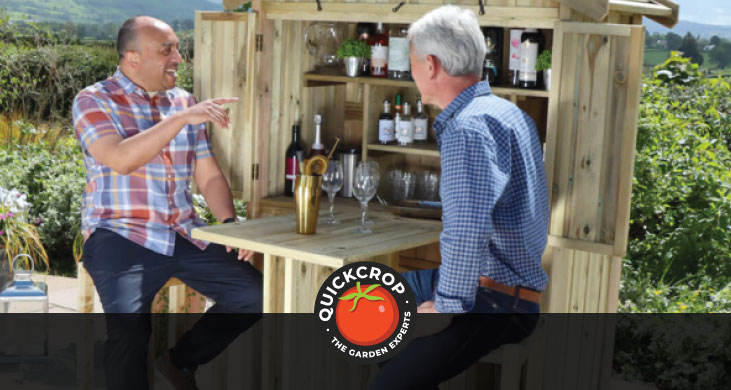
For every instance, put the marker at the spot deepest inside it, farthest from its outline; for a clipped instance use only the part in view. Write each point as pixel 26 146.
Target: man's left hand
pixel 427 307
pixel 244 254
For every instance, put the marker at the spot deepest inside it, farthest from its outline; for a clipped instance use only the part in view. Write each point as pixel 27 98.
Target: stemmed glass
pixel 365 184
pixel 332 182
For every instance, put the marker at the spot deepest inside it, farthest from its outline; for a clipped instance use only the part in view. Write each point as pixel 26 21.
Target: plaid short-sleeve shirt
pixel 153 203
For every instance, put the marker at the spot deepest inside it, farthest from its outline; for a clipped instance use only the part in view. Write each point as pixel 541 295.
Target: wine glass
pixel 332 182
pixel 365 184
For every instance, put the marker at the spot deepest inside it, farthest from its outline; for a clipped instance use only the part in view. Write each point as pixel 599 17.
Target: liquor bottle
pixel 406 127
pixel 386 124
pixel 494 48
pixel 421 123
pixel 317 147
pixel 291 164
pixel 379 52
pixel 397 104
pixel 514 62
pixel 399 66
pixel 530 45
pixel 365 31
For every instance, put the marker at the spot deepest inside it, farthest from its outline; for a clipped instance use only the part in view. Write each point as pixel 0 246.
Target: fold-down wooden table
pixel 296 265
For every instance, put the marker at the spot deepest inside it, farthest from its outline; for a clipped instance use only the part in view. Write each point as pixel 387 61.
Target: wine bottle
pixel 399 66
pixel 531 43
pixel 317 147
pixel 379 52
pixel 421 121
pixel 365 30
pixel 386 124
pixel 292 167
pixel 514 62
pixel 406 127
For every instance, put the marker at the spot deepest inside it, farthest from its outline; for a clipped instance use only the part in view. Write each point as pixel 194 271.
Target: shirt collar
pixel 129 87
pixel 481 88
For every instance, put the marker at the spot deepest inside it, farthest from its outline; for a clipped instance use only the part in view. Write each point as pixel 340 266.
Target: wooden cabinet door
pixel 590 149
pixel 225 66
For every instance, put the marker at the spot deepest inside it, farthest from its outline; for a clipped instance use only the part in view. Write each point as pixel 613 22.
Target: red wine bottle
pixel 292 166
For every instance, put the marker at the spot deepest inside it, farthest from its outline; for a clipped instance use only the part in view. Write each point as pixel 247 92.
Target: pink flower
pixel 11 215
pixel 38 220
pixel 1 232
pixel 2 217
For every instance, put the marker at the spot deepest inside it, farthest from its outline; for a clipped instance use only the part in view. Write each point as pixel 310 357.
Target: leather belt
pixel 525 294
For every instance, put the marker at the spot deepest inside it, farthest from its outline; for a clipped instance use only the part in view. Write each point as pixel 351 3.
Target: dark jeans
pixel 426 362
pixel 127 276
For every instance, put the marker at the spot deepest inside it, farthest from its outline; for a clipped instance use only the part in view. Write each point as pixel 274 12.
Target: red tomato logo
pixel 366 317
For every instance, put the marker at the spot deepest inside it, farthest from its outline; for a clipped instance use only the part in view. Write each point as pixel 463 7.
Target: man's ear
pixel 132 58
pixel 433 66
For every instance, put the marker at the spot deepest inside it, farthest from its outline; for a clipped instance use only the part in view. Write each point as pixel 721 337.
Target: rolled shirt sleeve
pixel 472 182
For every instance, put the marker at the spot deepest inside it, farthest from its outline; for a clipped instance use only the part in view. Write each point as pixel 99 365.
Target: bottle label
pixel 385 130
pixel 379 56
pixel 292 169
pixel 398 54
pixel 528 57
pixel 405 132
pixel 420 129
pixel 514 63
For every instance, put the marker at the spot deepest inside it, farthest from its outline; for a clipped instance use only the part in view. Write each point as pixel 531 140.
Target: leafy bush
pixel 41 82
pixel 681 207
pixel 678 352
pixel 53 180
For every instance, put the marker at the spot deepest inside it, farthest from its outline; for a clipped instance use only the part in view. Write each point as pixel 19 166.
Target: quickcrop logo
pixel 366 310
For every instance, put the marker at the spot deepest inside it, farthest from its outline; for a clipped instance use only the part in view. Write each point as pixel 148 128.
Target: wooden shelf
pixel 429 150
pixel 319 80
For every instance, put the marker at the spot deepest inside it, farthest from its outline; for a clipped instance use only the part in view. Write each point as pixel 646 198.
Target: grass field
pixel 654 57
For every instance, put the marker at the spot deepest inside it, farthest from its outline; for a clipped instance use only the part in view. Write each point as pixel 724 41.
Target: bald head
pixel 127 38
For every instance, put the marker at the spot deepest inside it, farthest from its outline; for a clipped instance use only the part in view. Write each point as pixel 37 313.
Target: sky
pixel 706 11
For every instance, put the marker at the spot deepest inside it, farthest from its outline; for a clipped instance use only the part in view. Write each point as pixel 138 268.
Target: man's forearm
pixel 125 155
pixel 218 197
pixel 140 149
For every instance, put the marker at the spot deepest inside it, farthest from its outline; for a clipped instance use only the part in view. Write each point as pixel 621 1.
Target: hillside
pixel 684 26
pixel 105 11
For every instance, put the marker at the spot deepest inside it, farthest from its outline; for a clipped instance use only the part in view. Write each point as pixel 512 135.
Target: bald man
pixel 143 141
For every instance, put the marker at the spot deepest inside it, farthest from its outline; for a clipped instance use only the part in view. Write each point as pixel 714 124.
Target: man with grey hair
pixel 495 209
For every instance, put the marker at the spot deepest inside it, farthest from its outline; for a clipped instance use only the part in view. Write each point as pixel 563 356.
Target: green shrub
pixel 681 207
pixel 54 181
pixel 678 352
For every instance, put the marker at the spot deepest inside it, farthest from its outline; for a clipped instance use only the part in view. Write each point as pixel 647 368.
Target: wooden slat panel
pixel 225 66
pixel 536 17
pixel 596 9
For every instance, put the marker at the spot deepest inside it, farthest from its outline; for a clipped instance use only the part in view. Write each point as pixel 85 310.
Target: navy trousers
pixel 426 362
pixel 127 276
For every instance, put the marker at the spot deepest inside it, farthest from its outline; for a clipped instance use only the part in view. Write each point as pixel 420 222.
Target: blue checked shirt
pixel 494 198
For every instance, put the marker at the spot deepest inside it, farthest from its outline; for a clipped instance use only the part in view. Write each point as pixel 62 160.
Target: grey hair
pixel 453 35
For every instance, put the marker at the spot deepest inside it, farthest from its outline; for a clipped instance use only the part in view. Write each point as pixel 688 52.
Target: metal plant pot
pixel 352 66
pixel 547 79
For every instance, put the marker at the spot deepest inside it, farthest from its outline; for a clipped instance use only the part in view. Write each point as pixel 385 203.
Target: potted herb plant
pixel 353 51
pixel 543 63
pixel 18 235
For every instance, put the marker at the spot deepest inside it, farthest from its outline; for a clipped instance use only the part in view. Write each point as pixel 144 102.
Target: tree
pixel 689 47
pixel 674 40
pixel 721 54
pixel 715 40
